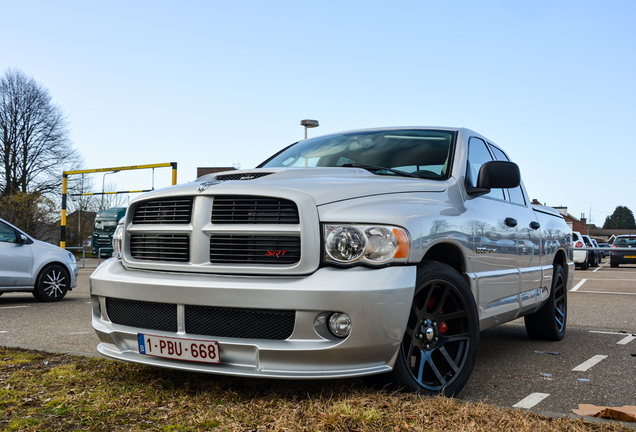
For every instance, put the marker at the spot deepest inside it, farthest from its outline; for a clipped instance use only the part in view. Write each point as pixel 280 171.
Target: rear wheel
pixel 613 265
pixel 439 347
pixel 52 284
pixel 584 265
pixel 549 322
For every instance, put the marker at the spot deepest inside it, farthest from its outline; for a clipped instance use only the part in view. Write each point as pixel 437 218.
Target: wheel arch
pixel 448 254
pixel 561 259
pixel 48 264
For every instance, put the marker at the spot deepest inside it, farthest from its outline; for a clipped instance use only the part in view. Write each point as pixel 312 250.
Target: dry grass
pixel 41 392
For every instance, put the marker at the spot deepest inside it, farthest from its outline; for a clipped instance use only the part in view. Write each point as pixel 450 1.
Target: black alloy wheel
pixel 439 347
pixel 549 322
pixel 52 284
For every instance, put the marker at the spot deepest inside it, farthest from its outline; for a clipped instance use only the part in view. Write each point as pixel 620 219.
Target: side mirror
pixel 22 239
pixel 497 175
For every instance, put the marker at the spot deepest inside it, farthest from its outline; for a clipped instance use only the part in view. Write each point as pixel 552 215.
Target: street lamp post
pixel 103 179
pixel 309 124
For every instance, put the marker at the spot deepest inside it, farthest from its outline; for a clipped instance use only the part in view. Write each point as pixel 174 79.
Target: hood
pixel 325 185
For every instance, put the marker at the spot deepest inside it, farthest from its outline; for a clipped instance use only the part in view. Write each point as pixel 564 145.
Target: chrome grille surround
pixel 303 235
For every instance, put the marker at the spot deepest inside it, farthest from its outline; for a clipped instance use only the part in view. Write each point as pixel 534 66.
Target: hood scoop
pixel 242 176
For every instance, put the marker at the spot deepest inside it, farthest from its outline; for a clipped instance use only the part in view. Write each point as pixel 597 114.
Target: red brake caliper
pixel 443 328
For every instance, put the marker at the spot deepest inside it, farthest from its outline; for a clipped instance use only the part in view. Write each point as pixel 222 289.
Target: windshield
pixel 424 153
pixel 105 225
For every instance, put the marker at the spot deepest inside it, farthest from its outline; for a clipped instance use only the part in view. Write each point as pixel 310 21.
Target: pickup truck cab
pixel 377 253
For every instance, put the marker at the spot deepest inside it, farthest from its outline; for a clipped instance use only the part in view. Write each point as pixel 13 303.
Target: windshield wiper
pixel 374 169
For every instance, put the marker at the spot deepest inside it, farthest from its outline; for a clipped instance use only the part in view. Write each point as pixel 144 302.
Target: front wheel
pixel 439 347
pixel 548 323
pixel 52 284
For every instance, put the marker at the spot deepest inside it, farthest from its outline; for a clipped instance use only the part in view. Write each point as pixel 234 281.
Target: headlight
pixel 117 240
pixel 371 244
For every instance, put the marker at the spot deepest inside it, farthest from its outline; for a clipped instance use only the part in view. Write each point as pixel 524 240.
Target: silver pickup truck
pixel 378 253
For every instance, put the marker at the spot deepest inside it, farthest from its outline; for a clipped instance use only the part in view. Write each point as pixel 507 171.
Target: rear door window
pixel 516 194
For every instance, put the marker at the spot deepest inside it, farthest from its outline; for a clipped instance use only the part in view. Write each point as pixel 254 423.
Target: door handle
pixel 535 225
pixel 511 222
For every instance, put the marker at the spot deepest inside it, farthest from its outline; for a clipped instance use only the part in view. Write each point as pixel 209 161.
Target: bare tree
pixel 34 138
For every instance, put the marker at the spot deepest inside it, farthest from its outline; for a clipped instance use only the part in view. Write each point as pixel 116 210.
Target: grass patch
pixel 56 392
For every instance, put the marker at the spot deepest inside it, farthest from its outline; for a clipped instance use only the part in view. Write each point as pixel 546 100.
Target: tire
pixel 438 351
pixel 584 265
pixel 549 322
pixel 594 261
pixel 613 265
pixel 52 284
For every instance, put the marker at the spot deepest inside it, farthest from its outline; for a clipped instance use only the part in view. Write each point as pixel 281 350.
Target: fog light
pixel 340 324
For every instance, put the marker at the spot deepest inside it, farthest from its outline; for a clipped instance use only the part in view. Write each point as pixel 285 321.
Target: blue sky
pixel 205 83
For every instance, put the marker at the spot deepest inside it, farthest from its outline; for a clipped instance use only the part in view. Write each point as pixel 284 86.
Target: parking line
pixel 606 292
pixel 530 401
pixel 12 307
pixel 613 280
pixel 598 268
pixel 4 331
pixel 578 285
pixel 79 333
pixel 623 341
pixel 586 365
pixel 626 340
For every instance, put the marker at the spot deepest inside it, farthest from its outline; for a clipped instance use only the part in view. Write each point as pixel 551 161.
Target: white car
pixel 27 264
pixel 579 255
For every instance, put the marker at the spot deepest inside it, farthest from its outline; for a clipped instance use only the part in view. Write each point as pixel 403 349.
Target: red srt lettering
pixel 276 253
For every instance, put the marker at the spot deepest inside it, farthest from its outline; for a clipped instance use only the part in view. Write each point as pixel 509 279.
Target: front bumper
pixel 377 300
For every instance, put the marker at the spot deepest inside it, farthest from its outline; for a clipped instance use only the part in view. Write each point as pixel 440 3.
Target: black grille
pixel 239 323
pixel 147 315
pixel 233 209
pixel 169 211
pixel 103 242
pixel 160 247
pixel 250 249
pixel 244 176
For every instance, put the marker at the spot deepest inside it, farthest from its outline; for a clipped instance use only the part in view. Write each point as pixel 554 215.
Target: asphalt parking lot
pixel 594 364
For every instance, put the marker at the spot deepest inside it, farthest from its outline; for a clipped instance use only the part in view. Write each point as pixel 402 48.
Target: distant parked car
pixel 579 256
pixel 599 254
pixel 623 241
pixel 592 256
pixel 27 264
pixel 607 252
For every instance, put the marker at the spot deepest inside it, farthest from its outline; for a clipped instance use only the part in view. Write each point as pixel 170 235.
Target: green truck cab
pixel 105 224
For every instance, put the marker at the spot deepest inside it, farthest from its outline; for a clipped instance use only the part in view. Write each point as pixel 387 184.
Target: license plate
pixel 179 349
pixel 630 256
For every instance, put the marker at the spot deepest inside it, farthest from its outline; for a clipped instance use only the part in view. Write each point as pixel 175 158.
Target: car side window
pixel 516 194
pixel 7 234
pixel 478 155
